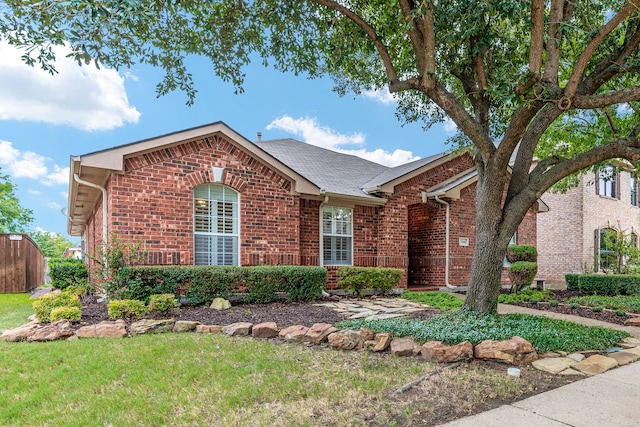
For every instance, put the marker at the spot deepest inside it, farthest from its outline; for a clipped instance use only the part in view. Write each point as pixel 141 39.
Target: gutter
pixel 321 240
pixel 76 177
pixel 436 196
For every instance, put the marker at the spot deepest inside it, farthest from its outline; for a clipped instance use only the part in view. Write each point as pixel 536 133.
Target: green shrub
pixel 299 283
pixel 553 303
pixel 597 309
pixel 163 302
pixel 621 313
pixel 604 284
pixel 534 301
pixel 574 306
pixel 525 295
pixel 64 272
pixel 72 314
pixel 207 283
pixel 521 274
pixel 358 279
pixel 126 309
pixel 46 303
pixel 516 253
pixel 439 300
pixel 76 290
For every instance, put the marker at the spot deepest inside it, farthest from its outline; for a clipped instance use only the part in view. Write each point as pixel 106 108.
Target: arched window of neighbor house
pixel 216 225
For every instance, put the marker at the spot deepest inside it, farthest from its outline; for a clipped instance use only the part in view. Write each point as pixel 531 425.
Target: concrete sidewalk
pixel 609 399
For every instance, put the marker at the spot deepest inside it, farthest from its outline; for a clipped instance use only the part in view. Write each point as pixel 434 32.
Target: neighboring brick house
pixel 569 235
pixel 207 195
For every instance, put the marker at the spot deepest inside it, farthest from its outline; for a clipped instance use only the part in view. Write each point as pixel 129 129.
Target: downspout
pixel 446 242
pixel 321 242
pixel 104 215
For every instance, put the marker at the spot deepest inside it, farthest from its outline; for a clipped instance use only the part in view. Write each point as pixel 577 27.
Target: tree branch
pixel 415 32
pixel 596 41
pixel 371 33
pixel 589 102
pixel 552 65
pixel 536 44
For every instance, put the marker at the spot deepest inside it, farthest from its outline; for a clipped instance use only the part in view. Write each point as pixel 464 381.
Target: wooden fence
pixel 21 264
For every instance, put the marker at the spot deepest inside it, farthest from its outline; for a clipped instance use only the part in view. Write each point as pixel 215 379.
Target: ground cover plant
pixel 543 333
pixel 441 300
pixel 619 302
pixel 525 295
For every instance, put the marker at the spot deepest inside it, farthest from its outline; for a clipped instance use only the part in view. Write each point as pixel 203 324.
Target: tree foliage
pixel 558 78
pixel 51 244
pixel 13 217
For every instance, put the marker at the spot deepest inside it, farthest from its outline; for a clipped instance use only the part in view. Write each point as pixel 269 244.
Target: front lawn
pixel 14 310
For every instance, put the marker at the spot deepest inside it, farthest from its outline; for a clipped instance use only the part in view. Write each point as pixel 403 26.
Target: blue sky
pixel 45 119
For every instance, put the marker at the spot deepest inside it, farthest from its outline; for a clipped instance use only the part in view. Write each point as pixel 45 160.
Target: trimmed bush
pixel 65 272
pixel 521 274
pixel 72 314
pixel 299 283
pixel 163 302
pixel 46 303
pixel 127 309
pixel 604 284
pixel 516 253
pixel 359 279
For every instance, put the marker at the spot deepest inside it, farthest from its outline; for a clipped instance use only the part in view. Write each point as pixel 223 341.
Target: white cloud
pixel 313 133
pixel 54 205
pixel 383 96
pixel 34 192
pixel 450 126
pixel 64 194
pixel 27 164
pixel 83 97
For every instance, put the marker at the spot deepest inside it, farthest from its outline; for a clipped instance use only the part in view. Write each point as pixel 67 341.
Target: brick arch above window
pixel 206 177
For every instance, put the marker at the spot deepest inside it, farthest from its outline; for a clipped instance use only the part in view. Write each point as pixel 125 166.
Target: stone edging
pixel 516 351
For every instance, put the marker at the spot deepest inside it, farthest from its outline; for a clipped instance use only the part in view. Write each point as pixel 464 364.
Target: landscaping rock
pixel 238 329
pixel 382 341
pixel 548 354
pixel 208 329
pixel 347 339
pixel 554 365
pixel 185 326
pixel 633 321
pixel 578 357
pixel 629 342
pixel 152 326
pixel 265 330
pixel 104 329
pixel 624 357
pixel 21 333
pixel 297 334
pixel 220 304
pixel 318 332
pixel 517 351
pixel 570 371
pixel 403 347
pixel 51 332
pixel 441 352
pixel 595 364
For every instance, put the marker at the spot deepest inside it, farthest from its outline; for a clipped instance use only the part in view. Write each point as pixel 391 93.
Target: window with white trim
pixel 607 182
pixel 216 225
pixel 634 190
pixel 337 236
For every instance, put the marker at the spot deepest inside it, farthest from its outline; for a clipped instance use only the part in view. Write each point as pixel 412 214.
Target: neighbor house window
pixel 607 240
pixel 216 225
pixel 634 191
pixel 337 236
pixel 513 241
pixel 607 181
pixel 633 240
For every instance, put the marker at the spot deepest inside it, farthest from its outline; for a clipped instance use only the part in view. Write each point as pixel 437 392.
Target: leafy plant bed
pixel 605 315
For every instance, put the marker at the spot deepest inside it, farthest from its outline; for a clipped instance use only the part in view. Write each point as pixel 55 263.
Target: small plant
pixel 553 303
pixel 621 313
pixel 517 253
pixel 574 306
pixel 72 314
pixel 597 309
pixel 534 301
pixel 127 308
pixel 163 303
pixel 46 303
pixel 359 279
pixel 525 295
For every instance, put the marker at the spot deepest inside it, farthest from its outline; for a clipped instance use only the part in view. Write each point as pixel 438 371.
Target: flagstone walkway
pixel 376 309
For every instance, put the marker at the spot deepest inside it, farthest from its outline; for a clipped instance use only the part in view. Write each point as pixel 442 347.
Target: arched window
pixel 216 225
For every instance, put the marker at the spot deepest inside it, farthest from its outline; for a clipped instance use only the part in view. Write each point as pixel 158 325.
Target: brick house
pixel 208 195
pixel 570 234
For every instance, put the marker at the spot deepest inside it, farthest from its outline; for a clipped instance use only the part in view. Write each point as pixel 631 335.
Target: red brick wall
pixel 152 203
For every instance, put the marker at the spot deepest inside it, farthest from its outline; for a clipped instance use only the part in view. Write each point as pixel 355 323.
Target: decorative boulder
pixel 347 339
pixel 208 329
pixel 319 332
pixel 51 332
pixel 516 351
pixel 104 329
pixel 152 326
pixel 21 333
pixel 441 352
pixel 185 326
pixel 265 330
pixel 220 304
pixel 403 346
pixel 238 329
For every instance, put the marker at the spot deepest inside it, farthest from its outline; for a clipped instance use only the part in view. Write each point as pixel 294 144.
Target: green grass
pixel 192 379
pixel 440 300
pixel 455 327
pixel 525 295
pixel 620 302
pixel 14 310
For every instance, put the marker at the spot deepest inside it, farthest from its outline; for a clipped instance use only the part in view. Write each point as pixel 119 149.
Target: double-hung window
pixel 216 225
pixel 607 182
pixel 634 191
pixel 337 236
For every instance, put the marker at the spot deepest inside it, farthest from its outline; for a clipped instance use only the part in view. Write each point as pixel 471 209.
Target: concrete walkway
pixel 609 399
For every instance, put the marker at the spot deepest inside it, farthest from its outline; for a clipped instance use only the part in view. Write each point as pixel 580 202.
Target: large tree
pixel 50 243
pixel 556 76
pixel 13 217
